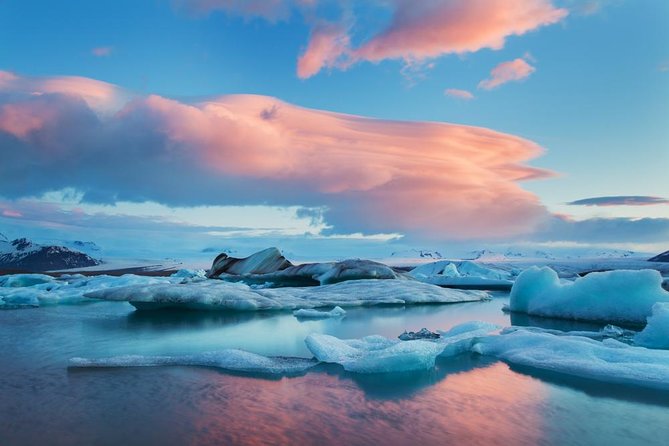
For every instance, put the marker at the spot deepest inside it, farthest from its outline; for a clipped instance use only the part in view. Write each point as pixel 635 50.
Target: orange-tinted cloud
pixel 457 93
pixel 435 180
pixel 513 70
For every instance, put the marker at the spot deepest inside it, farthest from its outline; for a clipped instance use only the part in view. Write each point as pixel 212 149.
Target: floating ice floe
pixel 609 331
pixel 231 360
pixel 462 274
pixel 622 296
pixel 316 314
pixel 609 360
pixel 377 354
pixel 656 333
pixel 221 295
pixel 33 290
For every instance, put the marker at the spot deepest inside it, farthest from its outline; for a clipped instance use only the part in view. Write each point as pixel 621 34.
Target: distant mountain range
pixel 25 255
pixel 417 253
pixel 664 257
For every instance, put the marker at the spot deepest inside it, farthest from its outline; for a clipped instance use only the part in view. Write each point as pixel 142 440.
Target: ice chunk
pixel 614 296
pixel 656 333
pixel 374 354
pixel 266 261
pixel 24 280
pixel 442 267
pixel 190 274
pixel 609 361
pixel 315 314
pixel 221 295
pixel 461 338
pixel 231 359
pixel 610 331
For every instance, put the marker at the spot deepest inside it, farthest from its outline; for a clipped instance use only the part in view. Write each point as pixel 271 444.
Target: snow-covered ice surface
pixel 316 314
pixel 656 333
pixel 231 360
pixel 608 360
pixel 613 296
pixel 221 295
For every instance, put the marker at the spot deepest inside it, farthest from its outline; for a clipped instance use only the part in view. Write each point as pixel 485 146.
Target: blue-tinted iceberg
pixel 608 361
pixel 316 314
pixel 377 354
pixel 656 333
pixel 220 295
pixel 614 296
pixel 231 360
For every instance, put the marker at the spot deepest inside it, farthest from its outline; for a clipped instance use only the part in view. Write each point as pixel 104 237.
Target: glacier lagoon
pixel 467 398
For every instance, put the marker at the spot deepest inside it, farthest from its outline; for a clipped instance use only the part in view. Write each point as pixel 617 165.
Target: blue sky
pixel 597 99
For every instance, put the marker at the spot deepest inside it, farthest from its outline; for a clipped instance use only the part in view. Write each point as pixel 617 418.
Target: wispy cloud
pixel 621 200
pixel 437 180
pixel 460 94
pixel 102 51
pixel 513 70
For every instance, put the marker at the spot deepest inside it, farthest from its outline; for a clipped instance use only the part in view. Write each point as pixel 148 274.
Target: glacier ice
pixel 465 273
pixel 230 359
pixel 221 295
pixel 621 296
pixel 656 332
pixel 608 360
pixel 266 261
pixel 316 314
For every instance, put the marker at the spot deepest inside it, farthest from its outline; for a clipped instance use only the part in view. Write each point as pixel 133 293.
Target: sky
pixel 335 128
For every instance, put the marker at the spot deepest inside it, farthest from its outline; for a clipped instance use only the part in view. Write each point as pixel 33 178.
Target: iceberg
pixel 608 360
pixel 462 274
pixel 374 354
pixel 377 354
pixel 656 333
pixel 222 295
pixel 622 296
pixel 316 314
pixel 231 359
pixel 266 261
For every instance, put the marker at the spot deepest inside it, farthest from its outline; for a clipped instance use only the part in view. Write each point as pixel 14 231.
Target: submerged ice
pixel 316 314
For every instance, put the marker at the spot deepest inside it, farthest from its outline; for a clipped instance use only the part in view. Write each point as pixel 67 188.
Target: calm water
pixel 466 400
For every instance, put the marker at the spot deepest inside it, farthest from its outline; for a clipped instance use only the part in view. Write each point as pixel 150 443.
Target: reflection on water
pixel 468 399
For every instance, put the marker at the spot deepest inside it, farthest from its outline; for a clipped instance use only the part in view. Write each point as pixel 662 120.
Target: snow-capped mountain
pixel 664 257
pixel 417 253
pixel 22 254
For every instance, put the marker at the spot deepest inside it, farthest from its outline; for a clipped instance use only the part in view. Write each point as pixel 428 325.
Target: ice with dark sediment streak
pixel 230 359
pixel 608 361
pixel 622 296
pixel 220 295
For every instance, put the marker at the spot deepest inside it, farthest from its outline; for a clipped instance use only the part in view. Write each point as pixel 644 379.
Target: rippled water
pixel 466 400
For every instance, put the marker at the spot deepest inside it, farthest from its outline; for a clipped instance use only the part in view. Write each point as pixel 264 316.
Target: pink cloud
pixel 423 30
pixel 11 213
pixel 514 70
pixel 102 51
pixel 433 180
pixel 460 94
pixel 328 45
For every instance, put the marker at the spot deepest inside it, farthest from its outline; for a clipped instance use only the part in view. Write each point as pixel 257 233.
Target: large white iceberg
pixel 656 333
pixel 622 296
pixel 220 295
pixel 462 274
pixel 231 360
pixel 609 360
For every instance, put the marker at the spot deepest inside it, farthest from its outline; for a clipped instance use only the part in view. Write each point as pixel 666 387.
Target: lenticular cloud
pixel 434 179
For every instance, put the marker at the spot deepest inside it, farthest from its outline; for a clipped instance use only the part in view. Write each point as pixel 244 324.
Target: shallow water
pixel 466 399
